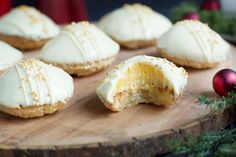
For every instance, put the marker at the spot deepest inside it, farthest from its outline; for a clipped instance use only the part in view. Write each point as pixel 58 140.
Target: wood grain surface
pixel 86 128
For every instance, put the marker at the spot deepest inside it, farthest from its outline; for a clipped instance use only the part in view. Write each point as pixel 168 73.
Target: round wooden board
pixel 86 128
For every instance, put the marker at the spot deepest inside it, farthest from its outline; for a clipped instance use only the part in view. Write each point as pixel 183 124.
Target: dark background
pixel 97 8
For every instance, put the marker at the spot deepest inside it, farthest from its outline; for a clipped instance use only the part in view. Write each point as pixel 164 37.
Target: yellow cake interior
pixel 143 83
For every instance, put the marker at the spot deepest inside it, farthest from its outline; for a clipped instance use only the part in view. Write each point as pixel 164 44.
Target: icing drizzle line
pixel 206 38
pixel 70 32
pixel 34 72
pixel 73 34
pixel 136 11
pixel 200 34
pixel 89 35
pixel 22 84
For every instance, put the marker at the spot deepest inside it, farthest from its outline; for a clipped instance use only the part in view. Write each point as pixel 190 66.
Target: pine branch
pixel 227 150
pixel 220 103
pixel 223 142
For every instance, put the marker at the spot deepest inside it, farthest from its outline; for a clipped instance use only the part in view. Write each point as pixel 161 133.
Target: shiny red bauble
pixel 191 16
pixel 210 5
pixel 224 81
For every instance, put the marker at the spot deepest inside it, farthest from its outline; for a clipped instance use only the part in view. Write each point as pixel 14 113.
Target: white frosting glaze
pixel 28 22
pixel 176 76
pixel 195 41
pixel 8 56
pixel 32 82
pixel 79 43
pixel 134 22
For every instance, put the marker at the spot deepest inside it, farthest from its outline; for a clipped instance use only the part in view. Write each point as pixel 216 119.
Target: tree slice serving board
pixel 86 128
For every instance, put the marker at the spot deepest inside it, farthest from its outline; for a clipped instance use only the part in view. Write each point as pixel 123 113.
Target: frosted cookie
pixel 80 49
pixel 193 44
pixel 142 79
pixel 8 56
pixel 26 28
pixel 134 25
pixel 32 89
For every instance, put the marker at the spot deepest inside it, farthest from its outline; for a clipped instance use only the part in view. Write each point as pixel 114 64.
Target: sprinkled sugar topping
pixel 34 69
pixel 31 71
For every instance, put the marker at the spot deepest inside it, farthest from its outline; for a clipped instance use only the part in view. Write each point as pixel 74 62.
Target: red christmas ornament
pixel 210 5
pixel 224 81
pixel 191 16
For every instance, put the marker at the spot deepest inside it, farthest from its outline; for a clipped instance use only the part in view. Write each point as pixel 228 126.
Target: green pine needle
pixel 222 142
pixel 226 150
pixel 220 103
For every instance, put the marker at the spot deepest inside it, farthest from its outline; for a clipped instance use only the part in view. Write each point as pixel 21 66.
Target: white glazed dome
pixel 27 22
pixel 79 43
pixel 194 41
pixel 32 82
pixel 8 56
pixel 134 22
